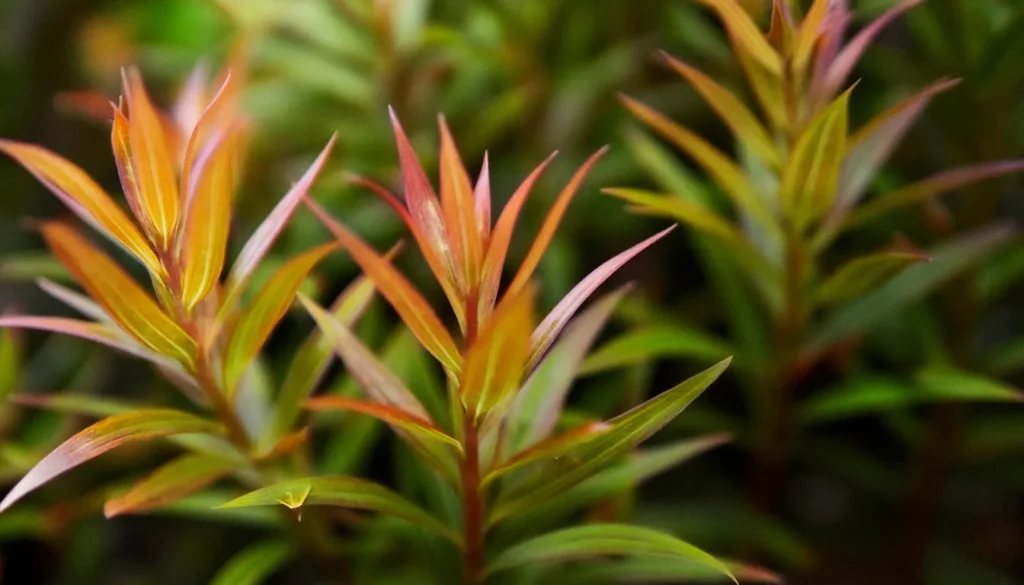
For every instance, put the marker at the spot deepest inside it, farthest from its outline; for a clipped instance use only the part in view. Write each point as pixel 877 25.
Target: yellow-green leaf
pixel 810 179
pixel 862 275
pixel 169 483
pixel 745 34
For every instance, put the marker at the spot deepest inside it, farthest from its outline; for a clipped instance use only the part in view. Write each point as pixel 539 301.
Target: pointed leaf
pixel 97 332
pixel 75 300
pixel 599 540
pixel 255 564
pixel 85 198
pixel 726 173
pixel 494 363
pixel 482 202
pixel 933 186
pixel 744 124
pixel 266 234
pixel 603 448
pixel 947 383
pixel 347 492
pixel 745 35
pixel 459 209
pixel 169 483
pixel 669 570
pixel 807 37
pixel 546 333
pixel 400 294
pixel 655 342
pixel 134 310
pixel 810 179
pixel 139 425
pixel 391 415
pixel 152 165
pixel 550 225
pixel 861 275
pixel 259 319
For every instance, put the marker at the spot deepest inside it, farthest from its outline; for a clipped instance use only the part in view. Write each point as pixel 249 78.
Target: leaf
pixel 459 209
pixel 913 283
pixel 810 179
pixel 255 564
pixel 494 363
pixel 597 540
pixel 655 342
pixel 546 333
pixel 874 142
pixel 152 165
pixel 138 425
pixel 97 332
pixel 314 355
pixel 75 404
pixel 550 225
pixel 858 396
pixel 207 221
pixel 861 275
pixel 929 188
pixel 170 482
pixel 258 320
pixel 265 235
pixel 745 35
pixel 125 301
pixel 539 403
pixel 807 37
pixel 568 467
pixel 724 171
pixel 668 570
pixel 348 492
pixel 400 294
pixel 391 415
pixel 75 300
pixel 947 383
pixel 85 198
pixel 744 124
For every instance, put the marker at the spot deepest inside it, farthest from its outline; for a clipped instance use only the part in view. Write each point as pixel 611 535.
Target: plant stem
pixel 472 503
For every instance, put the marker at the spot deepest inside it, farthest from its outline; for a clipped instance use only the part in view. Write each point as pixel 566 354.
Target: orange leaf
pixel 459 208
pixel 810 30
pixel 550 225
pixel 84 197
pixel 407 302
pixel 169 483
pixel 216 119
pixel 152 164
pixel 258 320
pixel 391 415
pixel 497 357
pixel 126 302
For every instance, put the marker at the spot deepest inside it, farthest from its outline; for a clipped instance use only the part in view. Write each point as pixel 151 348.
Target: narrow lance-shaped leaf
pixel 724 171
pixel 862 275
pixel 75 300
pixel 85 198
pixel 568 467
pixel 807 37
pixel 391 415
pixel 170 482
pixel 745 34
pixel 946 383
pixel 134 310
pixel 596 540
pixel 138 425
pixel 347 492
pixel 494 363
pixel 152 164
pixel 407 302
pixel 459 209
pixel 258 320
pixel 214 120
pixel 254 565
pixel 660 569
pixel 744 124
pixel 678 341
pixel 545 333
pixel 550 225
pixel 482 202
pixel 266 234
pixel 97 332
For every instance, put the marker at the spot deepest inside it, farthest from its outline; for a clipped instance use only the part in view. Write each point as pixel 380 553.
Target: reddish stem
pixel 472 503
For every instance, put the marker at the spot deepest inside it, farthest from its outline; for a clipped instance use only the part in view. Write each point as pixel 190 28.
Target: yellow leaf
pixel 745 34
pixel 810 30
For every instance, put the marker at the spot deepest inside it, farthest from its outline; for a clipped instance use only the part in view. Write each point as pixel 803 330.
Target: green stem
pixel 472 503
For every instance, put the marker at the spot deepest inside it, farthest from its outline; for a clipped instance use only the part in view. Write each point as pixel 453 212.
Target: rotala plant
pixel 800 181
pixel 496 446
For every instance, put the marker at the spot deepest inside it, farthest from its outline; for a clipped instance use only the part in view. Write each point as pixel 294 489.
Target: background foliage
pixel 907 463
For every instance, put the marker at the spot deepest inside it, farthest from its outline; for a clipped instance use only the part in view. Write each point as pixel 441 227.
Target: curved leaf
pixel 745 34
pixel 655 342
pixel 861 275
pixel 169 483
pixel 388 414
pixel 255 564
pixel 669 570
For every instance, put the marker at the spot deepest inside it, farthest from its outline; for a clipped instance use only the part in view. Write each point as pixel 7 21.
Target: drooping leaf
pixel 539 403
pixel 169 483
pixel 744 124
pixel 125 301
pixel 85 198
pixel 568 467
pixel 138 425
pixel 348 492
pixel 861 275
pixel 745 34
pixel 399 292
pixel 550 225
pixel 600 540
pixel 258 320
pixel 810 179
pixel 75 300
pixel 255 564
pixel 546 333
pixel 655 342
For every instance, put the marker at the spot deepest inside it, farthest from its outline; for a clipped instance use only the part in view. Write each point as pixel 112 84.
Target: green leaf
pixel 810 178
pixel 946 383
pixel 857 397
pixel 129 427
pixel 597 540
pixel 574 462
pixel 1005 359
pixel 255 564
pixel 169 483
pixel 666 570
pixel 864 274
pixel 655 342
pixel 348 492
pixel 949 260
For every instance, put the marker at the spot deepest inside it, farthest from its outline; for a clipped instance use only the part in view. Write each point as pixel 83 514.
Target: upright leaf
pixel 810 179
pixel 138 425
pixel 745 34
pixel 807 37
pixel 170 482
pixel 459 209
pixel 255 564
